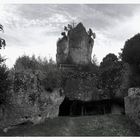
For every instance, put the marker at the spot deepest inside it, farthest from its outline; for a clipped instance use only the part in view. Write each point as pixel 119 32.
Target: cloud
pixel 34 28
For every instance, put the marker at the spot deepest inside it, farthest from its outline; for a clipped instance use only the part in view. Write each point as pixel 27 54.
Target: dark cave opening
pixel 64 109
pixel 82 108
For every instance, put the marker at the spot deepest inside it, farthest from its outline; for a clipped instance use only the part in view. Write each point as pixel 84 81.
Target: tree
pixel 91 34
pixel 25 62
pixel 131 55
pixel 2 41
pixel 70 27
pixel 66 28
pixel 63 34
pixel 131 50
pixel 4 79
pixel 4 84
pixel 1 28
pixel 110 74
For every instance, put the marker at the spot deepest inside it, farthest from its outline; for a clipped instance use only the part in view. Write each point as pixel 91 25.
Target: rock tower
pixel 75 47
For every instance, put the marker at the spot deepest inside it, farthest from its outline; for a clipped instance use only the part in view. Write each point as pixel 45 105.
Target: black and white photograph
pixel 69 69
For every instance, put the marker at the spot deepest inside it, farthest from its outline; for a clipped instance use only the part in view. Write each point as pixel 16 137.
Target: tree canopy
pixel 131 50
pixel 110 69
pixel 131 55
pixel 1 27
pixel 4 80
pixel 2 41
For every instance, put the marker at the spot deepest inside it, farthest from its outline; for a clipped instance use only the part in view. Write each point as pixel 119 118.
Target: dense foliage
pixel 131 55
pixel 131 50
pixel 4 83
pixel 2 41
pixel 49 73
pixel 4 79
pixel 110 74
pixel 25 63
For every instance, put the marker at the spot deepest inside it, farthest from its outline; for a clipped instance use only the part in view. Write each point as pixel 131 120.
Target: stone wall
pixel 30 101
pixel 82 86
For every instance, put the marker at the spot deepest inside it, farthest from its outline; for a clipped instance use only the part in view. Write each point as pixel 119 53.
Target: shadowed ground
pixel 99 125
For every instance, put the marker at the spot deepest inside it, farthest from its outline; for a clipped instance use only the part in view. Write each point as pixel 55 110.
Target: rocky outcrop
pixel 62 50
pixel 76 47
pixel 132 104
pixel 80 45
pixel 30 101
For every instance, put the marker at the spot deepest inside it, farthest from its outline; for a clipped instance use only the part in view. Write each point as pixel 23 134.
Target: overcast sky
pixel 34 29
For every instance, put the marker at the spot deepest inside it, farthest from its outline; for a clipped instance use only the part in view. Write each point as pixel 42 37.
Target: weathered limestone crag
pixel 62 50
pixel 76 47
pixel 30 101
